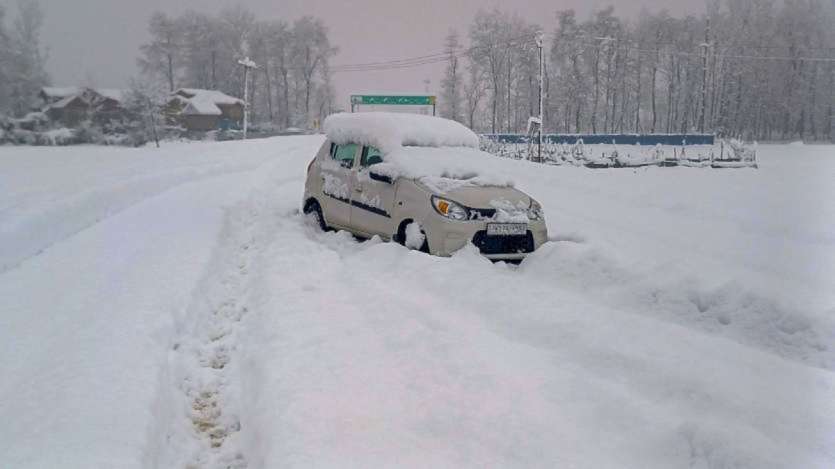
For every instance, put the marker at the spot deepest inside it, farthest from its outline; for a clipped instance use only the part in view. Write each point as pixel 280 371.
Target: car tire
pixel 400 237
pixel 312 207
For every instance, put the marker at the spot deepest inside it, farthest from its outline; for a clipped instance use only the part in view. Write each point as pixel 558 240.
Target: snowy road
pixel 171 309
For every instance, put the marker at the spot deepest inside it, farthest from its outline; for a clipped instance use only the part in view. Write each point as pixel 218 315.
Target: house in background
pixel 204 110
pixel 70 111
pixel 71 106
pixel 53 94
pixel 109 103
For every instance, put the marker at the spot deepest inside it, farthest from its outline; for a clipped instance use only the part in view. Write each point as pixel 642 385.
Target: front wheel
pixel 312 208
pixel 412 235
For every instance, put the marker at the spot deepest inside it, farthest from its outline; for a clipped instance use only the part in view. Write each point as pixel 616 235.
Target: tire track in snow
pixel 92 207
pixel 204 365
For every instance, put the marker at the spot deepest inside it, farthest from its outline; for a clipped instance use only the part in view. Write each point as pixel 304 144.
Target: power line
pixel 428 59
pixel 394 61
pixel 440 57
pixel 722 55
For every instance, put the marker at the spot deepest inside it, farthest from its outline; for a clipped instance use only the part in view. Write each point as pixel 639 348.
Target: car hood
pixel 486 197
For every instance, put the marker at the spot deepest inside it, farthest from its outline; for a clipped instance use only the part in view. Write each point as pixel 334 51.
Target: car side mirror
pixel 379 177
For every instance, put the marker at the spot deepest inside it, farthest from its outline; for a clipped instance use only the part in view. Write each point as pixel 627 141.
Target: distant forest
pixel 292 85
pixel 755 69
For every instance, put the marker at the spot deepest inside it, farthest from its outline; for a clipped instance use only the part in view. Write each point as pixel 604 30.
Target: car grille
pixel 482 213
pixel 518 244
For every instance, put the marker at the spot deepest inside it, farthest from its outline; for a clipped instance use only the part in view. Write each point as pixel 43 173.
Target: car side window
pixel 370 156
pixel 344 154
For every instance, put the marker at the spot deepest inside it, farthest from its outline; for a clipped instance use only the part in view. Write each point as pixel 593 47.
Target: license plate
pixel 506 229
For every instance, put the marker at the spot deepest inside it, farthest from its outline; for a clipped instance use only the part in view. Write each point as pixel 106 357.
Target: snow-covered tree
pixel 163 56
pixel 144 103
pixel 487 38
pixel 5 64
pixel 311 50
pixel 280 41
pixel 452 83
pixel 201 49
pixel 292 84
pixel 25 58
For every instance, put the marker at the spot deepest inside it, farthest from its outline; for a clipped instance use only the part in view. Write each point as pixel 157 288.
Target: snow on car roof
pixel 438 152
pixel 389 131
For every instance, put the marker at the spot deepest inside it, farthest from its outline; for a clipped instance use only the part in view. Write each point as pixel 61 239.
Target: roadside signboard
pixel 392 100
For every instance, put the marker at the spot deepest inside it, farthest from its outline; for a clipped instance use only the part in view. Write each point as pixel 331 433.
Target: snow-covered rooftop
pixel 60 92
pixel 200 102
pixel 111 93
pixel 214 96
pixel 201 105
pixel 390 131
pixel 63 102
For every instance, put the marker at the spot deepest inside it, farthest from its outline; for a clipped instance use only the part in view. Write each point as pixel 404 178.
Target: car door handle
pixel 358 189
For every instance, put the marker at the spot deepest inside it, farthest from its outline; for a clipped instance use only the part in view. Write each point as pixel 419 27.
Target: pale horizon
pixel 409 30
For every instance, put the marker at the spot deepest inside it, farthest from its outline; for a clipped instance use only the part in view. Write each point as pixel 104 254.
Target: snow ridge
pixel 205 370
pixel 729 310
pixel 207 365
pixel 204 354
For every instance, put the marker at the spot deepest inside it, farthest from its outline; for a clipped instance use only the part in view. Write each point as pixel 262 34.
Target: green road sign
pixel 393 100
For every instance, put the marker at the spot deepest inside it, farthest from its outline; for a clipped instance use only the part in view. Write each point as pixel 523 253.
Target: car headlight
pixel 535 211
pixel 450 209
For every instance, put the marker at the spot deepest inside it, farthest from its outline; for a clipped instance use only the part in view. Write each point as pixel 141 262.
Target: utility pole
pixel 540 40
pixel 705 47
pixel 426 83
pixel 248 65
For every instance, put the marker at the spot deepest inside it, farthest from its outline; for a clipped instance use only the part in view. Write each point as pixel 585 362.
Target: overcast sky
pixel 95 42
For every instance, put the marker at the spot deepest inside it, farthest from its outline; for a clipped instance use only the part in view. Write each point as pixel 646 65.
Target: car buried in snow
pixel 420 181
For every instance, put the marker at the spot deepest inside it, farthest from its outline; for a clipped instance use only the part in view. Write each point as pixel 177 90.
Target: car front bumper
pixel 447 236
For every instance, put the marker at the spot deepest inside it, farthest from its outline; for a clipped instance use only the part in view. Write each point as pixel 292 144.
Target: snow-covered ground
pixel 170 308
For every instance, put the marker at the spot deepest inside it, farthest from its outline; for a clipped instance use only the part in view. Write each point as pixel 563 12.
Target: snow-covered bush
pixel 58 137
pixel 33 121
pixel 89 133
pixel 741 151
pixel 228 134
pixel 627 156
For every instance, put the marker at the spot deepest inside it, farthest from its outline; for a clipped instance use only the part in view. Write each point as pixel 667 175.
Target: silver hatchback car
pixel 374 175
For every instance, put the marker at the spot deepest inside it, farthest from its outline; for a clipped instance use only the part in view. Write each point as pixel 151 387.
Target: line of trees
pixel 22 59
pixel 291 87
pixel 745 68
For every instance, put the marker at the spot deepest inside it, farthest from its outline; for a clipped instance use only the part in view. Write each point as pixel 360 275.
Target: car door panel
pixel 372 200
pixel 337 183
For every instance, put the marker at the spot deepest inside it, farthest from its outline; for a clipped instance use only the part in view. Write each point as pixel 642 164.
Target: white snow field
pixel 169 308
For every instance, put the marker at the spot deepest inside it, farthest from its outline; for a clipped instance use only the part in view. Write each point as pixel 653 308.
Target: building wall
pixel 204 123
pixel 234 112
pixel 71 115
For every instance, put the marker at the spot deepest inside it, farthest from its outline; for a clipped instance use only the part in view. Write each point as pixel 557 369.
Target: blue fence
pixel 619 139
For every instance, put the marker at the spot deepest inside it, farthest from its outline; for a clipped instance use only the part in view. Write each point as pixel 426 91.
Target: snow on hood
pixel 440 153
pixel 443 169
pixel 389 131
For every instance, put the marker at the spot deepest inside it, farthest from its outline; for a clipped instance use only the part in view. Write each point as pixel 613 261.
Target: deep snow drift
pixel 170 308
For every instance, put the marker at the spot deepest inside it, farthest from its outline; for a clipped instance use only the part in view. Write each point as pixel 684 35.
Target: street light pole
pixel 540 40
pixel 248 64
